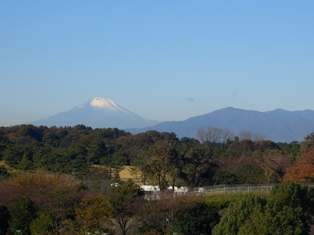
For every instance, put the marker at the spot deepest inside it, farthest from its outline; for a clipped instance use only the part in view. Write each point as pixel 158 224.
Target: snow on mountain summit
pixel 104 103
pixel 97 112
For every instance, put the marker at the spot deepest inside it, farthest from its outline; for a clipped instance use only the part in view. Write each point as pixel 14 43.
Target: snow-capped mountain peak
pixel 97 113
pixel 104 103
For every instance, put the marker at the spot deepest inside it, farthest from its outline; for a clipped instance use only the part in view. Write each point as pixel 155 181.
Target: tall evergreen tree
pixel 22 215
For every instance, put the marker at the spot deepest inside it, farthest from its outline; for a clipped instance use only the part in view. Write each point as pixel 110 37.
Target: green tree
pixel 141 163
pixel 96 150
pixel 30 131
pixel 161 160
pixel 238 213
pixel 115 161
pixel 125 199
pixel 307 143
pixel 224 177
pixel 42 224
pixel 197 167
pixel 287 210
pixel 249 174
pixel 13 154
pixel 198 218
pixel 273 222
pixel 22 214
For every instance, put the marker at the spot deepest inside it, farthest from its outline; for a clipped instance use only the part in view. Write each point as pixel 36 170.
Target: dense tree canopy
pixel 286 211
pixel 57 181
pixel 161 158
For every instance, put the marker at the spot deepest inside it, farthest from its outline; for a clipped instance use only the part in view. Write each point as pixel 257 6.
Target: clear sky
pixel 164 60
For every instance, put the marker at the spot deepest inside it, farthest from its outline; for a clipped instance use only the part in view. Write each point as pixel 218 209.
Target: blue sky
pixel 164 60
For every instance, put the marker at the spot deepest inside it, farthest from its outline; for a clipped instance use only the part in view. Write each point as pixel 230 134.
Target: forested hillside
pixel 57 181
pixel 215 158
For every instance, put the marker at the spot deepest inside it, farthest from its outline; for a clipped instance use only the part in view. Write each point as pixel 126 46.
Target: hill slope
pixel 278 125
pixel 97 113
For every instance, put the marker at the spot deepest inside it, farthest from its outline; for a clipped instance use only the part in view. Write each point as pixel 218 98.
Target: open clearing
pixel 126 174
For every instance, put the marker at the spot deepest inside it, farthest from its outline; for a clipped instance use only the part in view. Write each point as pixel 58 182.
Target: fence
pixel 219 189
pixel 239 188
pixel 235 189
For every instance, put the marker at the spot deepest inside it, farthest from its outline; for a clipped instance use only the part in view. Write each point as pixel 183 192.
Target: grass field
pixel 127 174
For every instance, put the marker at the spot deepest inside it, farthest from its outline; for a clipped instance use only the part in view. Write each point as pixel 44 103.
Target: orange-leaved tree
pixel 302 170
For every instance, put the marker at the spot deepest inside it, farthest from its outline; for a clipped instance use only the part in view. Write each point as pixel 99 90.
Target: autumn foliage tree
pixel 49 193
pixel 93 213
pixel 273 163
pixel 303 169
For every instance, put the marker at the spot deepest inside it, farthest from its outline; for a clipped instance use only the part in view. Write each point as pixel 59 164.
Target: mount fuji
pixel 97 113
pixel 278 125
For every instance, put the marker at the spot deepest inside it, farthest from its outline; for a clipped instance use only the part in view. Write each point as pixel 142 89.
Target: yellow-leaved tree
pixel 93 213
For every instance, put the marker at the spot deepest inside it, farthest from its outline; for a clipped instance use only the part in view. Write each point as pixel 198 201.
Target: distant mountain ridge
pixel 278 125
pixel 97 113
